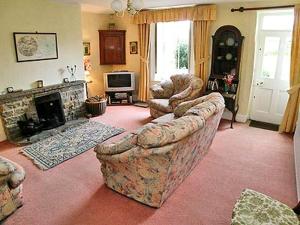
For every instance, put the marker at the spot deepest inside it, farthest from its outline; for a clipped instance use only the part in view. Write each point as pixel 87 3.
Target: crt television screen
pixel 119 80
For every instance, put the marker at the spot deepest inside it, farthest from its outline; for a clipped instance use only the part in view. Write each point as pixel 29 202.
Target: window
pixel 275 35
pixel 278 21
pixel 172 51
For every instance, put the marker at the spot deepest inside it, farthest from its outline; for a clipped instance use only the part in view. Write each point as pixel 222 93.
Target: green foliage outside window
pixel 181 55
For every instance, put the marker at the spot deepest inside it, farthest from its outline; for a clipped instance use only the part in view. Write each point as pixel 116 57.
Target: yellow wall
pixel 41 16
pixel 91 23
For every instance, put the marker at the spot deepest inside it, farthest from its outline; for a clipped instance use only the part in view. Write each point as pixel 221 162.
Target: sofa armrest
pixel 126 143
pixel 162 90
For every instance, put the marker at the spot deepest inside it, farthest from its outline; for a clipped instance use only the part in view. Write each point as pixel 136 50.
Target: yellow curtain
pixel 144 82
pixel 201 15
pixel 289 121
pixel 196 13
pixel 201 35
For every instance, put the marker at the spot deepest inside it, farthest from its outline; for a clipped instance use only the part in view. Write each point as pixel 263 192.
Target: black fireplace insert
pixel 50 110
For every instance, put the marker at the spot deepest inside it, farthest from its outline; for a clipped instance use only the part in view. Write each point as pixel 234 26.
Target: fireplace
pixel 50 110
pixel 21 106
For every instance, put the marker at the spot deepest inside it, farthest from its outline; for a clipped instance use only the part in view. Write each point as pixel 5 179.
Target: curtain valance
pixel 196 13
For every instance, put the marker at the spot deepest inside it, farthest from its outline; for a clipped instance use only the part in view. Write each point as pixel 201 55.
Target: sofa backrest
pixel 193 119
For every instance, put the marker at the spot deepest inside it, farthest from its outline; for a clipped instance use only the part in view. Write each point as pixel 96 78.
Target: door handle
pixel 259 83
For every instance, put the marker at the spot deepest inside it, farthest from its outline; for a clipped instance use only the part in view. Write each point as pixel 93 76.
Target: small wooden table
pixel 114 99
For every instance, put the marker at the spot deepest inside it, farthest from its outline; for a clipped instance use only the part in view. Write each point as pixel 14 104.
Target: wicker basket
pixel 96 108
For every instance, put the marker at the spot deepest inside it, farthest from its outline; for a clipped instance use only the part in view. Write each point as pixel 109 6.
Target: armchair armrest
pixel 164 89
pixel 193 91
pixel 11 172
pixel 126 143
pixel 180 97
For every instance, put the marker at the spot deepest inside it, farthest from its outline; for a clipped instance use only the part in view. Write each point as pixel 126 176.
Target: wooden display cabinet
pixel 112 47
pixel 226 57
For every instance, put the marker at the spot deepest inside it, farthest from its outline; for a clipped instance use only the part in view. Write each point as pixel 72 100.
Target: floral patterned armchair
pixel 168 94
pixel 149 164
pixel 254 208
pixel 11 178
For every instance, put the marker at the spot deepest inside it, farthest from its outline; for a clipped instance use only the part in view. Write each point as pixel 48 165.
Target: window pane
pixel 285 75
pixel 270 57
pixel 278 22
pixel 172 49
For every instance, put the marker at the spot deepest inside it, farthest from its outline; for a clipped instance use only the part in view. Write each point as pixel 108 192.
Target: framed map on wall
pixel 35 46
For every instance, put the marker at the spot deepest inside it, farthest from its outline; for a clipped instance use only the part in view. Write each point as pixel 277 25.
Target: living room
pixel 236 137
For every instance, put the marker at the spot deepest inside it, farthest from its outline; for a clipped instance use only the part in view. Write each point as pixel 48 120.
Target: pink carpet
pixel 74 192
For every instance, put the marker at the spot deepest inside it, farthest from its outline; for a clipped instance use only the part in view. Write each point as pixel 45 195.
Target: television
pixel 119 81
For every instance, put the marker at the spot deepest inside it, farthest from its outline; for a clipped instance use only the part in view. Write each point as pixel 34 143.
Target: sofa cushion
pixel 161 105
pixel 156 135
pixel 258 209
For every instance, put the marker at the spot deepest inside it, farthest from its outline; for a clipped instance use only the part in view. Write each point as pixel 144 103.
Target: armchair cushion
pixel 5 167
pixel 160 105
pixel 258 209
pixel 162 90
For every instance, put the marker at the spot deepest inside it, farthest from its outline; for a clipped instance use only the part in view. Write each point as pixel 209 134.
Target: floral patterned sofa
pixel 149 164
pixel 168 94
pixel 254 208
pixel 11 178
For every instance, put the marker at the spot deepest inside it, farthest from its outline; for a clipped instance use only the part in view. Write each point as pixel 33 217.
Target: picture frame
pixel 30 46
pixel 133 46
pixel 86 48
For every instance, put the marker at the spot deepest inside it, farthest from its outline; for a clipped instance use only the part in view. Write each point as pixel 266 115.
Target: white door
pixel 272 66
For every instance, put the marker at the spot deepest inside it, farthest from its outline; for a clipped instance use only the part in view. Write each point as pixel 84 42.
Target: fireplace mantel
pixel 50 88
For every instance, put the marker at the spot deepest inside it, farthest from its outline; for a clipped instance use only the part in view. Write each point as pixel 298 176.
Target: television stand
pixel 119 97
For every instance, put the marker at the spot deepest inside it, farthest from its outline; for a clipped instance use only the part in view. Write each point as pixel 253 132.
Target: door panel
pixel 266 97
pixel 271 73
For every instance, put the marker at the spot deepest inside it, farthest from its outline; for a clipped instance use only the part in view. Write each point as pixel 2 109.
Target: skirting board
pixel 227 115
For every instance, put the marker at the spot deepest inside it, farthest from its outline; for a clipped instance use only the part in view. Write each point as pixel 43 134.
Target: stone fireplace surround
pixel 13 106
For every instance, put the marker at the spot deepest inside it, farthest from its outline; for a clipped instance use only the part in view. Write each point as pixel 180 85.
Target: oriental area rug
pixel 69 143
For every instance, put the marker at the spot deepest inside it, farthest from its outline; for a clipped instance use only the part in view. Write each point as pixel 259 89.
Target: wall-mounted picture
pixel 86 48
pixel 133 46
pixel 35 46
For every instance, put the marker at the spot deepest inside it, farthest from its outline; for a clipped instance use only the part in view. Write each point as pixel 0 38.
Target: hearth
pixel 50 111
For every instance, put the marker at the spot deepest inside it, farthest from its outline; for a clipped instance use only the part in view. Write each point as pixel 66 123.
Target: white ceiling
pixel 103 6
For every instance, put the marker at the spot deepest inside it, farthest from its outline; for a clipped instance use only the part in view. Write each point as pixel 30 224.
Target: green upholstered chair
pixel 254 208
